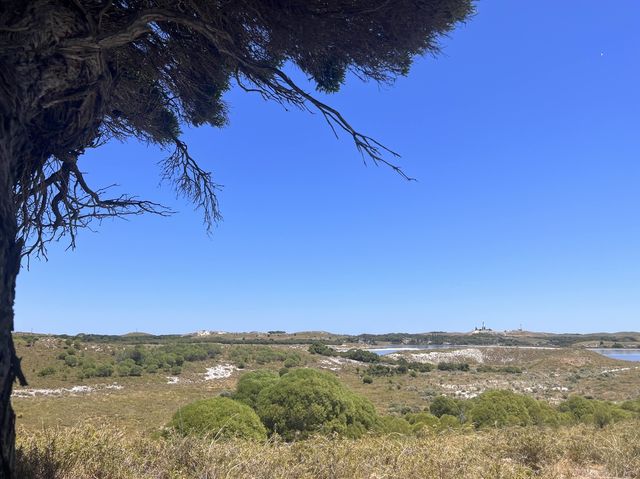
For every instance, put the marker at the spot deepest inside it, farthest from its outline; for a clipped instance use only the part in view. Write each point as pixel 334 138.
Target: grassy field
pixel 106 451
pixel 70 425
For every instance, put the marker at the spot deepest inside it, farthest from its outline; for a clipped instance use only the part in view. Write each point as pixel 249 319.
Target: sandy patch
pixel 221 371
pixel 72 391
pixel 469 354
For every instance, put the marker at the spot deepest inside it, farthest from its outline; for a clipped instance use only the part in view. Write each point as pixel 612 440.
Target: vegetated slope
pixel 90 451
pixel 61 393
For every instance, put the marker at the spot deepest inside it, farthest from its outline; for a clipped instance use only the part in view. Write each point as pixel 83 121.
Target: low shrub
pixel 444 366
pixel 250 384
pixel 501 408
pixel 307 401
pixel 361 355
pixel 321 349
pixel 48 371
pixel 445 405
pixel 220 417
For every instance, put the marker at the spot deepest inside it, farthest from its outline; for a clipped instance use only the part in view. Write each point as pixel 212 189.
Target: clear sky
pixel 524 136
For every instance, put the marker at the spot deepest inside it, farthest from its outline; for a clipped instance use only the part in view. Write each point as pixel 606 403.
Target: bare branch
pixel 193 182
pixel 60 203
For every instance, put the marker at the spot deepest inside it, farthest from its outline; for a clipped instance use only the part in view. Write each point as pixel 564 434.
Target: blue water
pixel 396 349
pixel 622 354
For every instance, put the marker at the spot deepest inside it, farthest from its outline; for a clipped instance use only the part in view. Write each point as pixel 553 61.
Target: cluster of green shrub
pixel 245 355
pixel 305 402
pixel 134 361
pixel 295 405
pixel 446 366
pixel 85 367
pixel 500 408
pixel 168 358
pixel 361 355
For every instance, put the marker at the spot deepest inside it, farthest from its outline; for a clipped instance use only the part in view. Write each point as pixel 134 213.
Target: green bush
pixel 422 422
pixel 48 371
pixel 589 411
pixel 307 401
pixel 367 379
pixel 448 422
pixel 501 408
pixel 420 367
pixel 445 405
pixel 580 408
pixel 443 366
pixel 128 367
pixel 71 361
pixel 394 425
pixel 633 406
pixel 361 355
pixel 168 358
pixel 220 417
pixel 263 355
pixel 322 349
pixel 380 370
pixel 250 384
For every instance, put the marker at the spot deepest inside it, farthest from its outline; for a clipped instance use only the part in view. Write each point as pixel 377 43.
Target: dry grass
pixel 104 451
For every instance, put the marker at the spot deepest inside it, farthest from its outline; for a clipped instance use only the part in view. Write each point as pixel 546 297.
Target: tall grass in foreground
pixel 105 452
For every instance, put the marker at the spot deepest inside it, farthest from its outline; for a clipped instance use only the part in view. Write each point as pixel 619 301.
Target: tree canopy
pixel 76 74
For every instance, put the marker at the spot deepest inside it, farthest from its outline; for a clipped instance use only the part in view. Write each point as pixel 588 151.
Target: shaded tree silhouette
pixel 75 74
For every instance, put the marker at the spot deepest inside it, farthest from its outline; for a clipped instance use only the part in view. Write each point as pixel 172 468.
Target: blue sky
pixel 523 136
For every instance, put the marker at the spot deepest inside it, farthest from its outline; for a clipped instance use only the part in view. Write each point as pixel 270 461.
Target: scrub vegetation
pixel 317 409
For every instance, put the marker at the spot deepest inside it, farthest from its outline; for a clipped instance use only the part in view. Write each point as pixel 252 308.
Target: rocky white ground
pixel 72 391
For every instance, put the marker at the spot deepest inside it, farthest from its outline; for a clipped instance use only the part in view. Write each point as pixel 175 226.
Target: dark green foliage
pixel 307 401
pixel 71 361
pixel 600 413
pixel 421 367
pixel 168 357
pixel 422 421
pixel 134 361
pixel 445 405
pixel 361 355
pixel 367 380
pixel 579 407
pixel 380 370
pixel 263 355
pixel 322 349
pixel 250 384
pixel 218 417
pixel 500 408
pixel 128 367
pixel 443 366
pixel 48 371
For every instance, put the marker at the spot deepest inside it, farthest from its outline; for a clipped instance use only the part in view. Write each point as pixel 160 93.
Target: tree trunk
pixel 10 251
